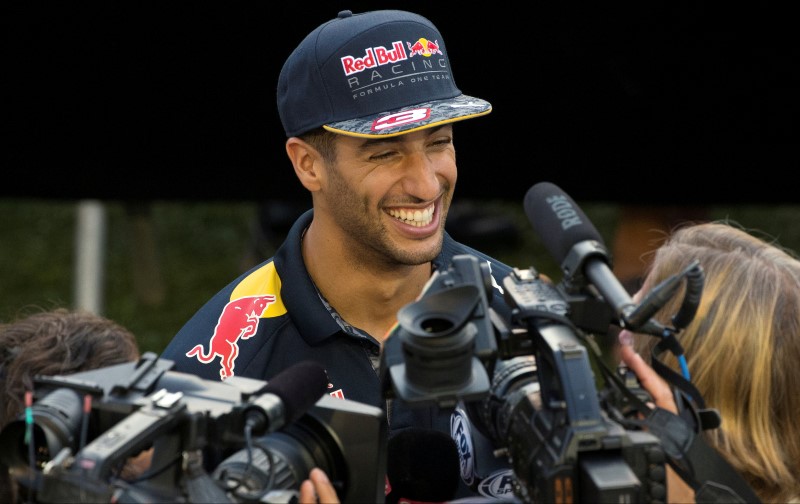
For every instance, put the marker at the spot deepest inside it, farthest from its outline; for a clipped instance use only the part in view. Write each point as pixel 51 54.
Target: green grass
pixel 161 265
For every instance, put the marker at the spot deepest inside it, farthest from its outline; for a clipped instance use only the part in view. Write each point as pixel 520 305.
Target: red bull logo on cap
pixel 379 56
pixel 238 320
pixel 374 57
pixel 423 47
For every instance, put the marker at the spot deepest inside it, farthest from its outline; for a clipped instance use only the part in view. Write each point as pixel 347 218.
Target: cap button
pixel 345 14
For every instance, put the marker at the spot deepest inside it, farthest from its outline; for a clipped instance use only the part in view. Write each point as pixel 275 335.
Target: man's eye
pixel 442 141
pixel 382 156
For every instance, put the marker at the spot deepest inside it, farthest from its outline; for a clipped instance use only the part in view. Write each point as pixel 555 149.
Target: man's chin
pixel 421 256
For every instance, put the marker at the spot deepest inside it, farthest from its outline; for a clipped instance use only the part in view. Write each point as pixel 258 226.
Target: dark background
pixel 660 102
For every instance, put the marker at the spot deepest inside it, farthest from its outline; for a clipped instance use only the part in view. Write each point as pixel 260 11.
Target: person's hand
pixel 649 379
pixel 317 489
pixel 677 489
pixel 137 465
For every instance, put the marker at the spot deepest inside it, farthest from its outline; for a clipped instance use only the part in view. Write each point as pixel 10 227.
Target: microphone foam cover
pixel 557 220
pixel 299 387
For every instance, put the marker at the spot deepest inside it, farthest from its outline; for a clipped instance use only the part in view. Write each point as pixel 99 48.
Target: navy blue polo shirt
pixel 272 317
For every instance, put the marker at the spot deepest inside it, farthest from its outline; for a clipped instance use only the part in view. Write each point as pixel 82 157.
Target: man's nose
pixel 421 177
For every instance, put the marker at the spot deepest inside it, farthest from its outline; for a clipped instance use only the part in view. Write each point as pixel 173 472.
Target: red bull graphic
pixel 238 320
pixel 423 47
pixel 374 57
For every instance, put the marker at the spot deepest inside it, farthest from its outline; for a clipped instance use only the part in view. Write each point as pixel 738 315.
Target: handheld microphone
pixel 288 396
pixel 422 465
pixel 574 242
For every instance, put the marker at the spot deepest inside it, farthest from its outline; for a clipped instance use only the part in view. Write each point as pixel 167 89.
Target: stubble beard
pixel 364 226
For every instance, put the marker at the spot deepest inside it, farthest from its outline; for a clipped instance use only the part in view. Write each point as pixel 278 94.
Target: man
pixel 367 102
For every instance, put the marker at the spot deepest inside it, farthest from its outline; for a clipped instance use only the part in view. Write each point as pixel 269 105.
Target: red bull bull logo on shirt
pixel 238 320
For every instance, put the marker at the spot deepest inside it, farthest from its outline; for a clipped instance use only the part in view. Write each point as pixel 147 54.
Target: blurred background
pixel 160 265
pixel 142 155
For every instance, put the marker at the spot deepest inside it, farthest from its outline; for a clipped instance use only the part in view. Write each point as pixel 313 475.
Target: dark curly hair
pixel 54 342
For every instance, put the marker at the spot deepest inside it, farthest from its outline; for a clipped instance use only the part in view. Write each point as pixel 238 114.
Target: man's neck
pixel 367 296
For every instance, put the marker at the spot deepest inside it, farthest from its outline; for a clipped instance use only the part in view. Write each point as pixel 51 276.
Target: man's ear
pixel 307 162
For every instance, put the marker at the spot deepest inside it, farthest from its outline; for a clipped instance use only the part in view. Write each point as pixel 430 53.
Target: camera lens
pixel 56 424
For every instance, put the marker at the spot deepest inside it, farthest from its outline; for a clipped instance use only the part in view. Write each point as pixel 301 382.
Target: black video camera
pixel 196 429
pixel 573 425
pixel 542 407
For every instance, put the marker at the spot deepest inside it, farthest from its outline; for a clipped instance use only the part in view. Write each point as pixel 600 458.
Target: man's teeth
pixel 417 218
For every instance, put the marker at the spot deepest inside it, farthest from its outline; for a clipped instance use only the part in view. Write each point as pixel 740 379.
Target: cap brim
pixel 412 118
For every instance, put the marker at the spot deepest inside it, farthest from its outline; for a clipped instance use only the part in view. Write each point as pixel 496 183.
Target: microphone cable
pixel 250 445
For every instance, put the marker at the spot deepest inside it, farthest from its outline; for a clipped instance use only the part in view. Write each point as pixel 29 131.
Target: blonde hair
pixel 742 348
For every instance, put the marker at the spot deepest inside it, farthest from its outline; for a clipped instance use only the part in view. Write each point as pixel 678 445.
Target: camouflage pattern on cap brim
pixel 441 112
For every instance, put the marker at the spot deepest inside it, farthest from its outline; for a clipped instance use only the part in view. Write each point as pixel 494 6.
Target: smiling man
pixel 367 102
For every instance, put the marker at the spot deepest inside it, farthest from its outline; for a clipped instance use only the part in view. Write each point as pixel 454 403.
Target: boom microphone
pixel 289 395
pixel 574 242
pixel 422 466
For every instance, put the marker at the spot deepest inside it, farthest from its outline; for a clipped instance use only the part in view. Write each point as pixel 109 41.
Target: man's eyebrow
pixel 372 142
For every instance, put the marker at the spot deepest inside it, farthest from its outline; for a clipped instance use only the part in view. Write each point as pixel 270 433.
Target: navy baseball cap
pixel 375 74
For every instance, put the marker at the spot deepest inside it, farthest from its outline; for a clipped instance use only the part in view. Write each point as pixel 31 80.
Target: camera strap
pixel 696 462
pixel 702 467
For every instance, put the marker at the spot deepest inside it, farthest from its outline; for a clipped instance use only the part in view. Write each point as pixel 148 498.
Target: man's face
pixel 392 195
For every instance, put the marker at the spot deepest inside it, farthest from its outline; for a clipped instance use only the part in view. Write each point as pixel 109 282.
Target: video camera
pixel 541 406
pixel 241 440
pixel 557 406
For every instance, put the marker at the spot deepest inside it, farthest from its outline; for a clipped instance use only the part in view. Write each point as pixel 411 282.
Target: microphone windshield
pixel 299 387
pixel 557 220
pixel 422 465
